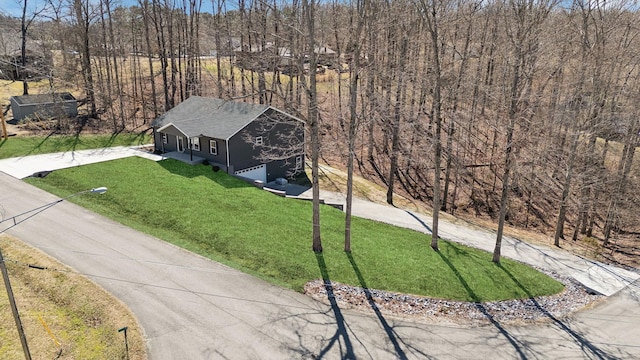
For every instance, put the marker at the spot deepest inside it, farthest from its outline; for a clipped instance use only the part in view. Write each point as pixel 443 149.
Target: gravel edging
pixel 573 298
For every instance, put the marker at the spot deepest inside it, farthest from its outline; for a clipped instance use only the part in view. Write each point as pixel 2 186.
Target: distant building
pixel 44 106
pixel 38 65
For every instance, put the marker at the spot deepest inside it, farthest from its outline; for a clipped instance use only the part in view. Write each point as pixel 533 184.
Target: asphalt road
pixel 193 308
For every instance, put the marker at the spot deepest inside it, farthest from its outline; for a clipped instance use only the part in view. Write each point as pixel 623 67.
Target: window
pixel 213 147
pixel 298 162
pixel 258 140
pixel 165 138
pixel 195 144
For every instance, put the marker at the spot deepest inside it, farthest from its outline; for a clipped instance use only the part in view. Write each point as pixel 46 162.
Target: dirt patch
pixel 16 130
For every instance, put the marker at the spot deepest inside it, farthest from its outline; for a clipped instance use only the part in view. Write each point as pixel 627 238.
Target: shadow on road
pixel 387 328
pixel 512 340
pixel 342 331
pixel 587 347
pixel 420 221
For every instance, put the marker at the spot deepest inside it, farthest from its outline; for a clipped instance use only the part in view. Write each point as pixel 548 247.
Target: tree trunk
pixel 23 49
pixel 395 142
pixel 513 103
pixel 116 68
pixel 565 191
pixel 624 168
pixel 152 77
pixel 158 19
pixel 432 17
pixel 308 8
pixel 354 71
pixel 82 16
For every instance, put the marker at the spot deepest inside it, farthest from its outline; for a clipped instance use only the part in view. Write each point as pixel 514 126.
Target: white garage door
pixel 254 173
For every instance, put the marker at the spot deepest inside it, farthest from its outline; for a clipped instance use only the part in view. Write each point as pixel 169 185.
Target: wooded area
pixel 522 111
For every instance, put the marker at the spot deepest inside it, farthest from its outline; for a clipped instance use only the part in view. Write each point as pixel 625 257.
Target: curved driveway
pixel 193 308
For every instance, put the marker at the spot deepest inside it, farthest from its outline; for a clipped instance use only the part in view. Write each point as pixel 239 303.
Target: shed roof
pixel 39 99
pixel 210 117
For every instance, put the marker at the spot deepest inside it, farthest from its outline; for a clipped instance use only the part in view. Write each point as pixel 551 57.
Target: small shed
pixel 44 106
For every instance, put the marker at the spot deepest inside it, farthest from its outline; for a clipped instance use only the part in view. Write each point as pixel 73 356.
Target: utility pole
pixel 14 307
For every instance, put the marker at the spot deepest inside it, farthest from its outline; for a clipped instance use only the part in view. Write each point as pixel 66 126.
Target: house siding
pixel 172 145
pixel 220 159
pixel 282 169
pixel 242 152
pixel 275 129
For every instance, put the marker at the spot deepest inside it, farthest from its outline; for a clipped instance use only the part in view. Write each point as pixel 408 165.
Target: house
pixel 38 62
pixel 326 56
pixel 44 106
pixel 227 47
pixel 257 142
pixel 258 57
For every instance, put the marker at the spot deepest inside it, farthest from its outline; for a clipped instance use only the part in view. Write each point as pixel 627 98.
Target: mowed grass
pixel 34 145
pixel 225 219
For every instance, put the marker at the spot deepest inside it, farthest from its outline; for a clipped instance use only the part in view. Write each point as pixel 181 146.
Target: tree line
pixel 521 111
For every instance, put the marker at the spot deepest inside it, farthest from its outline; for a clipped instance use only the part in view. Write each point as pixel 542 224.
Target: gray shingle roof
pixel 211 117
pixel 36 99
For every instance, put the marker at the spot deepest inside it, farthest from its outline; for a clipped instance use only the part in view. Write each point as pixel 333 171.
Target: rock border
pixel 573 298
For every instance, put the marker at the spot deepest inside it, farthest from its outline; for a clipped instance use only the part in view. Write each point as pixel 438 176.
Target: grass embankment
pixel 64 315
pixel 225 219
pixel 34 145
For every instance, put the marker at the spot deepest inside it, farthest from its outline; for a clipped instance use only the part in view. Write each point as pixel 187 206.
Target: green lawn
pixel 220 217
pixel 33 145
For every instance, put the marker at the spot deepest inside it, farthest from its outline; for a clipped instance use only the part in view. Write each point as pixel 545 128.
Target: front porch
pixel 185 157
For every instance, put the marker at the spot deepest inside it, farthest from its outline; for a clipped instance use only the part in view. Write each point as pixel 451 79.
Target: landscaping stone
pixel 573 298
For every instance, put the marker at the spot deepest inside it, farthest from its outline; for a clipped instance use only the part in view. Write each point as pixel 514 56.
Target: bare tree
pixel 83 13
pixel 308 9
pixel 358 17
pixel 397 115
pixel 523 29
pixel 431 13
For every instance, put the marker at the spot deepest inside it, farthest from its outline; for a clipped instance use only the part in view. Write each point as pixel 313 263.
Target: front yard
pixel 227 220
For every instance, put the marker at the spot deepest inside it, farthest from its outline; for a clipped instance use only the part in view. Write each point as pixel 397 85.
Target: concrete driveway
pixel 193 308
pixel 25 166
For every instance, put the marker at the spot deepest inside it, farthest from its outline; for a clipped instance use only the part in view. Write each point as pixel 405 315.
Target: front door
pixel 180 143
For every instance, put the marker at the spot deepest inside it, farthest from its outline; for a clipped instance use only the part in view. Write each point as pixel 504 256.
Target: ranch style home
pixel 257 142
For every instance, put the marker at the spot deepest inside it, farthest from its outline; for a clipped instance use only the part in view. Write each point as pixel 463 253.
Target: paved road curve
pixel 192 308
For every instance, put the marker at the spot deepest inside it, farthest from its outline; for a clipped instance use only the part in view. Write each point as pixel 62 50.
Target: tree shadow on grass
pixel 64 143
pixel 585 344
pixel 476 299
pixel 389 330
pixel 40 144
pixel 342 333
pixel 220 177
